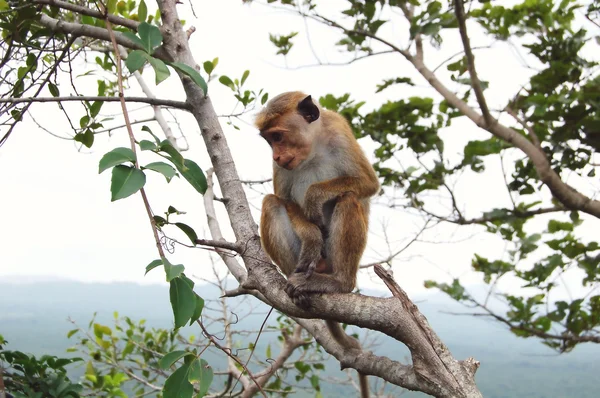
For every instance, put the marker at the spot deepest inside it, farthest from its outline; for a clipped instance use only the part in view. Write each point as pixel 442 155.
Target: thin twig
pixel 228 352
pixel 130 130
pixel 475 83
pixel 146 100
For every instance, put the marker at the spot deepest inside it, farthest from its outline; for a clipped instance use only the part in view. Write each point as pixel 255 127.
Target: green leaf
pixel 84 121
pixel 135 60
pixel 169 359
pixel 175 156
pixel 201 372
pixel 192 74
pixel 198 309
pixel 115 157
pixel 226 81
pixel 100 330
pixel 111 6
pixel 152 265
pixel 189 231
pixel 172 210
pixel 134 38
pixel 86 138
pixel 172 271
pixel 160 221
pixel 208 67
pixel 71 333
pixel 142 11
pixel 126 181
pixel 194 175
pixel 147 129
pixel 244 77
pixel 53 89
pixel 146 145
pixel 160 69
pixel 127 350
pixel 150 35
pixel 182 301
pixel 95 108
pixel 177 385
pixel 161 167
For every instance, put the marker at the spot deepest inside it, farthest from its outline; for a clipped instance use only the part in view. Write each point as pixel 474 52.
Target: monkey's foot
pixel 296 289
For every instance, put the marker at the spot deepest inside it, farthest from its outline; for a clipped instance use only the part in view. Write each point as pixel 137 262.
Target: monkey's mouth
pixel 287 165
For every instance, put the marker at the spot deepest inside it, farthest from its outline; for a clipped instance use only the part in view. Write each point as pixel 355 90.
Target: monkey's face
pixel 289 124
pixel 290 146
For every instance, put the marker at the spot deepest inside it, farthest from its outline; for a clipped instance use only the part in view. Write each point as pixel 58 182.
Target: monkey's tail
pixel 364 385
pixel 349 342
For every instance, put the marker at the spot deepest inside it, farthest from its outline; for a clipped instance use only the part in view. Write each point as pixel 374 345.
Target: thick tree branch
pixel 146 100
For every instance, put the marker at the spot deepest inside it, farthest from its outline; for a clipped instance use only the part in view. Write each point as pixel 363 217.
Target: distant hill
pixel 33 318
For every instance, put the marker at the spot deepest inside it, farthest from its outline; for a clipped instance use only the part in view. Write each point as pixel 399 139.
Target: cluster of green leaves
pixel 134 352
pixel 249 99
pixel 26 376
pixel 283 42
pixel 561 105
pixel 128 179
pixel 149 39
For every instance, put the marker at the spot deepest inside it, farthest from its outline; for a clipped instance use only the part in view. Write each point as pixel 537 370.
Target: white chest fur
pixel 320 168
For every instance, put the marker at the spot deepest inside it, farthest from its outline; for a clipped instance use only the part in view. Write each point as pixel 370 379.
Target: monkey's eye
pixel 276 137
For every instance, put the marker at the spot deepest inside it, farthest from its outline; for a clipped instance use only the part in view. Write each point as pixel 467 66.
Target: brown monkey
pixel 315 225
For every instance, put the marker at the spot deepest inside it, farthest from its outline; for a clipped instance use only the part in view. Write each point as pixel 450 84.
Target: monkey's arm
pixel 320 193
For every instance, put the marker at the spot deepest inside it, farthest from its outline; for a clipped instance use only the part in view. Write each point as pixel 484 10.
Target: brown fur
pixel 315 225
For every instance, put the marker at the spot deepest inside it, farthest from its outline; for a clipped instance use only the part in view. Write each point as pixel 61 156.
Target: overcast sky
pixel 58 219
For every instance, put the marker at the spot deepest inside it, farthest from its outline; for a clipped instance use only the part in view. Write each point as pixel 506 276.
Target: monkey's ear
pixel 308 109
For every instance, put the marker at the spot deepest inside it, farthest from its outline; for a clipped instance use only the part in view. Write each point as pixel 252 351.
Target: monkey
pixel 314 226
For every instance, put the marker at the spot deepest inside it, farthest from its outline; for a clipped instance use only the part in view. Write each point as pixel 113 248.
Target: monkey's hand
pixel 310 254
pixel 314 201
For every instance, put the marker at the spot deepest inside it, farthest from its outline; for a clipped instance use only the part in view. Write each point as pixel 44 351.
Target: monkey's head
pixel 289 124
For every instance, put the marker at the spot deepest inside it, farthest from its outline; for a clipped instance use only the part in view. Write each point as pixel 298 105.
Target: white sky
pixel 58 219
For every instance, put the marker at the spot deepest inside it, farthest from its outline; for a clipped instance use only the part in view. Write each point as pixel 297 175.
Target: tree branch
pixel 95 32
pixel 115 19
pixel 562 191
pixel 475 83
pixel 146 100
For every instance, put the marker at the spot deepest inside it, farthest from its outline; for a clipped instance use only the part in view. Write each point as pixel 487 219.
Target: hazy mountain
pixel 33 318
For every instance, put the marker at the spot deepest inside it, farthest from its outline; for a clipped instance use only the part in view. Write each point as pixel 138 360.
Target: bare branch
pixel 532 135
pixel 158 114
pixel 215 230
pixel 475 83
pixel 64 53
pixel 115 19
pixel 220 243
pixel 228 352
pixel 91 98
